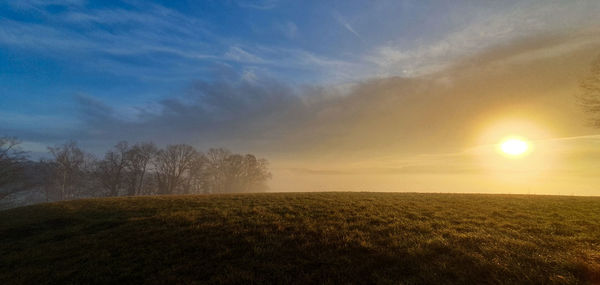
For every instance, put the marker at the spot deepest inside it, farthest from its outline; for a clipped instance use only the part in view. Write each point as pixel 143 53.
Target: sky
pixel 337 95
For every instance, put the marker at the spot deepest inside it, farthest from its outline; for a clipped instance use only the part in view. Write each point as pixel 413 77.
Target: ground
pixel 396 238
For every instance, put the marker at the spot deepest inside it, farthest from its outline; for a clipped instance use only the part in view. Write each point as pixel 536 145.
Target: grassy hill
pixel 304 238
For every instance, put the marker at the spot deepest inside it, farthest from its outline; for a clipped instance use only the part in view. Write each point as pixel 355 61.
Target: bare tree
pixel 255 173
pixel 233 173
pixel 140 169
pixel 196 178
pixel 111 169
pixel 12 160
pixel 215 178
pixel 68 166
pixel 245 173
pixel 589 98
pixel 171 165
pixel 226 172
pixel 138 160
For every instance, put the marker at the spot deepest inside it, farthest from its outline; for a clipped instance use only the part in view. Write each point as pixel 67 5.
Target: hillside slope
pixel 304 238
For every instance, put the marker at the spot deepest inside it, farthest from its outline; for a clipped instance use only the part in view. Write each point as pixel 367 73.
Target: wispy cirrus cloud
pixel 236 53
pixel 484 31
pixel 137 41
pixel 258 4
pixel 120 38
pixel 344 23
pixel 160 32
pixel 41 4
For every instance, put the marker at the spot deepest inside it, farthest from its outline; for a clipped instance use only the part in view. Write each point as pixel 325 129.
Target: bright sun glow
pixel 514 147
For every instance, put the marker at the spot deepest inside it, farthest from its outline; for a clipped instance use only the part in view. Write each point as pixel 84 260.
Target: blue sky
pixel 130 57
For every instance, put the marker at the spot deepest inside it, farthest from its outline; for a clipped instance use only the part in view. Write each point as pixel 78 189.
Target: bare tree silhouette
pixel 138 159
pixel 69 167
pixel 12 160
pixel 111 169
pixel 172 165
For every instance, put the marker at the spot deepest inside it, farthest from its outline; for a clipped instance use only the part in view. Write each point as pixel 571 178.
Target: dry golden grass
pixel 304 238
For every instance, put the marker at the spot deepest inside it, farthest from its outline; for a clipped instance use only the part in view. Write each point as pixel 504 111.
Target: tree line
pixel 129 170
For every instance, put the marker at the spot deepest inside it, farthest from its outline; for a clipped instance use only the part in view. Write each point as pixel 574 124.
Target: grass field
pixel 394 238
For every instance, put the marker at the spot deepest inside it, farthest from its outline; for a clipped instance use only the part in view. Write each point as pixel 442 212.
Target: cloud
pixel 208 113
pixel 94 111
pixel 437 112
pixel 41 4
pixel 344 23
pixel 238 54
pixel 259 4
pixel 514 22
pixel 152 43
pixel 149 34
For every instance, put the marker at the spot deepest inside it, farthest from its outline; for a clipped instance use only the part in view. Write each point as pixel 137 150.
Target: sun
pixel 514 147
